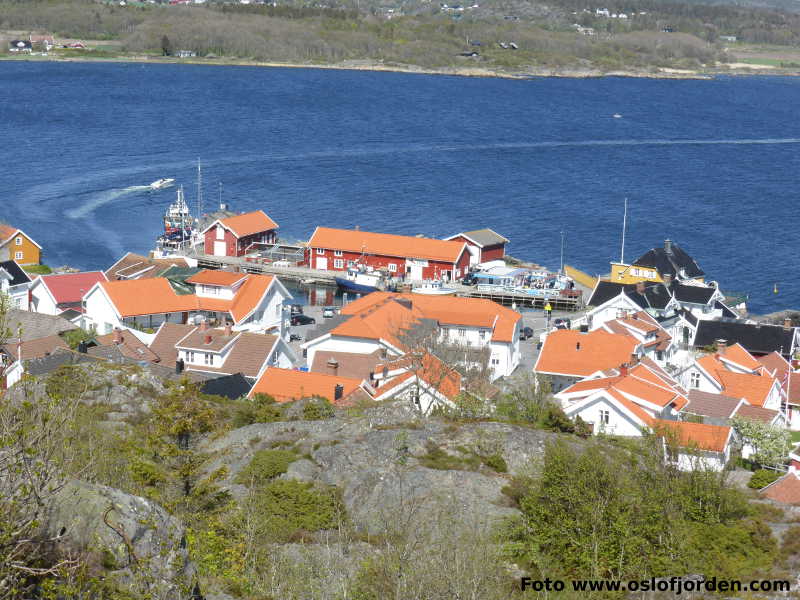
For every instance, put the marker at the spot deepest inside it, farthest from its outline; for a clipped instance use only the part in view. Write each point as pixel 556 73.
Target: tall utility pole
pixel 624 226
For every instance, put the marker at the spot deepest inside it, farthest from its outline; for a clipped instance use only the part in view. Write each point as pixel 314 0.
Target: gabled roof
pixel 757 413
pixel 349 364
pixel 130 346
pixel 35 325
pixel 247 356
pixel 70 288
pixel 776 364
pixel 785 490
pixel 757 338
pixel 59 358
pixel 7 232
pixel 481 237
pixel 163 344
pixel 693 294
pixel 739 356
pixel 570 352
pixel 384 244
pixel 286 385
pixel 36 348
pixel 713 438
pixel 754 388
pixel 232 387
pixel 654 295
pixel 136 266
pixel 16 273
pixel 220 278
pixel 428 368
pixel 670 260
pixel 247 223
pixel 711 405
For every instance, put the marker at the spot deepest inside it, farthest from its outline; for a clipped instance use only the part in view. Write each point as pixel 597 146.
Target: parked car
pixel 328 312
pixel 525 333
pixel 293 337
pixel 302 320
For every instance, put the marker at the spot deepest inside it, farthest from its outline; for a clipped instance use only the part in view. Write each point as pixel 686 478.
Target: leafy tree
pixel 771 444
pixel 166 45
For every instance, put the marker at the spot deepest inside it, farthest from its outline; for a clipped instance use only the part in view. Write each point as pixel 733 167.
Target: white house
pixel 249 303
pixel 14 283
pixel 62 293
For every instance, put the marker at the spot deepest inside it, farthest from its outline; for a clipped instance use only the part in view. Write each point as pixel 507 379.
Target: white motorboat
pixel 433 287
pixel 159 184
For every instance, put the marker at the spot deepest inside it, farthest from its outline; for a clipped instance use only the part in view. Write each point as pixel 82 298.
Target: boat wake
pixel 103 198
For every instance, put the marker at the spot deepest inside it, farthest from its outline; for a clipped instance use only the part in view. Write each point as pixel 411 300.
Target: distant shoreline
pixel 465 71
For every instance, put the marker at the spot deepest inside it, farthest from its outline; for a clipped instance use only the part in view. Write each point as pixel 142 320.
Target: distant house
pixel 185 54
pixel 661 265
pixel 62 294
pixel 45 41
pixel 286 385
pixel 136 266
pixel 20 46
pixel 236 236
pixel 728 38
pixel 14 283
pixel 483 245
pixel 18 246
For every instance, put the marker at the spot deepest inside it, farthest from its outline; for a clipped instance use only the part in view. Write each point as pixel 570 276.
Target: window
pixel 320 250
pixel 211 290
pixel 17 255
pixel 338 263
pixel 220 232
pixel 605 416
pixel 695 380
pixel 209 359
pixel 392 268
pixel 190 357
pixel 351 263
pixel 18 241
pixel 482 334
pixel 337 253
pixel 495 361
pixel 462 332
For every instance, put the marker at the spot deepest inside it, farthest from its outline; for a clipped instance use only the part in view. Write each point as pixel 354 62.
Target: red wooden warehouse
pixel 236 236
pixel 413 258
pixel 483 244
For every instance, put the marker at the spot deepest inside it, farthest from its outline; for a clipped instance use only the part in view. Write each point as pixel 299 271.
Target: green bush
pixel 266 465
pixel 790 542
pixel 37 269
pixel 762 478
pixel 496 462
pixel 436 458
pixel 286 506
pixel 261 408
pixel 317 409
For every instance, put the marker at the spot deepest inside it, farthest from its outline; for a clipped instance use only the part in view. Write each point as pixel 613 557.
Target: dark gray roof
pixel 756 338
pixel 18 276
pixel 484 237
pixel 59 358
pixel 670 260
pixel 35 325
pixel 655 295
pixel 711 405
pixel 694 294
pixel 727 313
pixel 232 387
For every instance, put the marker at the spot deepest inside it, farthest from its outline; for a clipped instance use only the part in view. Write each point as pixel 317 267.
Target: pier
pixel 568 303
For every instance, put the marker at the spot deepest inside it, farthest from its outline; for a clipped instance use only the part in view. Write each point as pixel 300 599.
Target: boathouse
pixel 413 258
pixel 238 235
pixel 483 245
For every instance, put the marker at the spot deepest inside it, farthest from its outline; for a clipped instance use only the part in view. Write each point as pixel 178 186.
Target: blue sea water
pixel 713 165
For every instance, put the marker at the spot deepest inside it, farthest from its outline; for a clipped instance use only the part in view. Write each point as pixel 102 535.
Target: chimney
pixel 667 279
pixel 207 339
pixel 668 246
pixel 577 345
pixel 83 347
pixel 117 336
pixel 333 366
pixel 338 392
pixel 623 370
pixel 634 359
pixel 179 366
pixel 721 346
pixel 787 324
pixel 640 287
pixel 227 330
pixel 19 349
pixel 203 325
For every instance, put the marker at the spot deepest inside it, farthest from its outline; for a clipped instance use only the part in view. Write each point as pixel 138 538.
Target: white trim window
pixel 392 268
pixel 694 379
pixel 337 253
pixel 605 417
pixel 18 241
pixel 189 357
pixel 338 263
pixel 209 359
pixel 17 255
pixel 462 332
pixel 320 250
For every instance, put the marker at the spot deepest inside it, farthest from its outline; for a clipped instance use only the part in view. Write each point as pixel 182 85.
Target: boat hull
pixel 439 292
pixel 349 286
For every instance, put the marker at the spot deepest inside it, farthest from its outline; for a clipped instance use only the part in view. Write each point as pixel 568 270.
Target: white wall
pixel 709 461
pixel 618 424
pixel 341 344
pixel 100 312
pixel 41 300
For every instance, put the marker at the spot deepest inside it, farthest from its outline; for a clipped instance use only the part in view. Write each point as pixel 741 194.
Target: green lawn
pixel 795 437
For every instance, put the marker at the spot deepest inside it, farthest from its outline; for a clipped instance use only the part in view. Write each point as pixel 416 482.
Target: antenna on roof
pixel 624 226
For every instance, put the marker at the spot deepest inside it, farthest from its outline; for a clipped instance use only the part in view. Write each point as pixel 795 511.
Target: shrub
pixel 436 458
pixel 266 465
pixel 286 506
pixel 496 462
pixel 762 478
pixel 317 409
pixel 790 542
pixel 262 408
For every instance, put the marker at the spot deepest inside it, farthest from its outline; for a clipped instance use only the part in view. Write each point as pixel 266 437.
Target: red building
pixel 483 244
pixel 403 256
pixel 236 236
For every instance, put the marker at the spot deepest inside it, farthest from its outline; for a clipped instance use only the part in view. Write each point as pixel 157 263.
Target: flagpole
pixel 624 226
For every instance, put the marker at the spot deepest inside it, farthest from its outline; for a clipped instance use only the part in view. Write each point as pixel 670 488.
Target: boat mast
pixel 562 252
pixel 624 226
pixel 199 189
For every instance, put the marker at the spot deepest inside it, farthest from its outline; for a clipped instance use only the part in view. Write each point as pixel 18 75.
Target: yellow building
pixel 659 265
pixel 16 245
pixel 622 273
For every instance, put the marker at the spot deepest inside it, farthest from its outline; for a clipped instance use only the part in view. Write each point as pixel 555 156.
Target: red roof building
pixel 483 244
pixel 236 236
pixel 401 256
pixel 62 293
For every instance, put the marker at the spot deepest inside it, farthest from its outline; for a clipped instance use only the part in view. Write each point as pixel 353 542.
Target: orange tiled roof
pixel 385 244
pixel 570 352
pixel 637 410
pixel 776 364
pixel 221 278
pixel 785 490
pixel 753 388
pixel 249 223
pixel 713 438
pixel 286 385
pixel 6 231
pixel 737 354
pixel 152 296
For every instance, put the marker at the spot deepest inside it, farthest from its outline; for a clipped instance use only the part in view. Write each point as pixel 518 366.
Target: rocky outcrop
pixel 378 460
pixel 136 541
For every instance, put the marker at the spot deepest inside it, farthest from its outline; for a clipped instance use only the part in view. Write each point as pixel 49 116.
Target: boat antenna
pixel 624 226
pixel 562 252
pixel 199 189
pixel 220 193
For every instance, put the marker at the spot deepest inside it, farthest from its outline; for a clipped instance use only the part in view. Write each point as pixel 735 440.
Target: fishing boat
pixel 359 279
pixel 433 287
pixel 159 184
pixel 179 232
